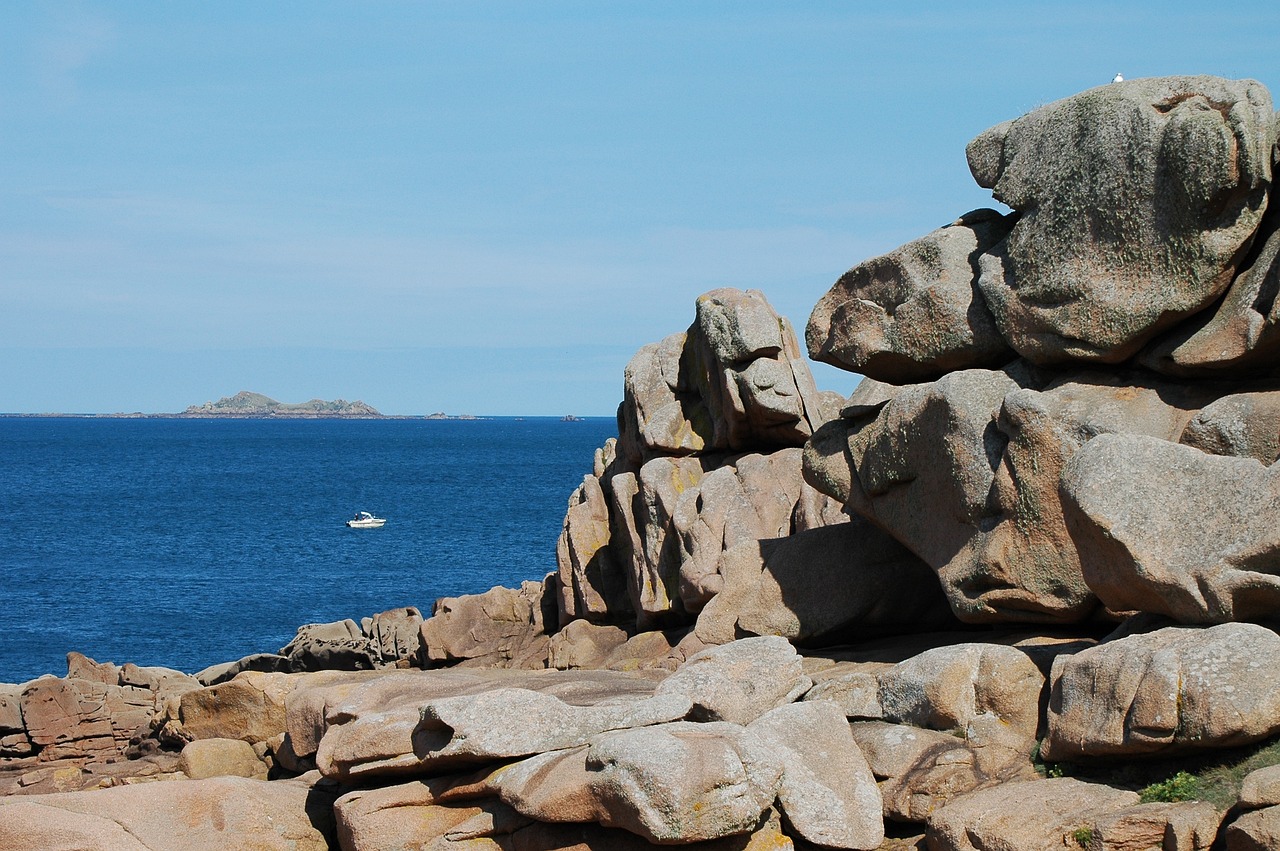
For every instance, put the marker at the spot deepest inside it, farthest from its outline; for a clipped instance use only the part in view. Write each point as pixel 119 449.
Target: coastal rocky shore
pixel 1018 591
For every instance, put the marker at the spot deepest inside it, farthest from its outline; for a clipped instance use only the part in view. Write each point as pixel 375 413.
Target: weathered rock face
pixel 964 472
pixel 1040 816
pixel 371 728
pixel 1177 689
pixel 1137 203
pixel 1170 530
pixel 582 644
pixel 1244 425
pixel 82 717
pixel 915 313
pixel 603 755
pixel 250 707
pixel 827 790
pixel 735 381
pixel 513 722
pixel 955 687
pixel 14 741
pixel 1189 825
pixel 503 626
pixel 800 755
pixel 224 812
pixel 824 586
pixel 1239 335
pixel 412 817
pixel 624 779
pixel 591 578
pixel 1255 831
pixel 337 646
pixel 1261 788
pixel 92 717
pixel 707 463
pixel 672 524
pixel 206 758
pixel 394 636
pixel 386 639
pixel 919 771
pixel 739 681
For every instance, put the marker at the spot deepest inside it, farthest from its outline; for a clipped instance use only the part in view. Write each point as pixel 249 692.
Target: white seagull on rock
pixel 1119 78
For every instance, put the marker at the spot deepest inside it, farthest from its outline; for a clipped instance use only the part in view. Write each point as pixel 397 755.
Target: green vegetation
pixel 1046 769
pixel 1180 787
pixel 1083 835
pixel 1213 777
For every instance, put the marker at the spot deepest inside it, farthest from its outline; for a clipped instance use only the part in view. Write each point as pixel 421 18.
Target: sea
pixel 188 542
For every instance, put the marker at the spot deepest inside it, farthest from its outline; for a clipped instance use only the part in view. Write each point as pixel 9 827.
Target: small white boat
pixel 365 520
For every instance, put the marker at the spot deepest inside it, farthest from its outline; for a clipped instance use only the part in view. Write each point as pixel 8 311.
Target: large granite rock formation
pixel 1171 530
pixel 1089 440
pixel 964 472
pixel 915 313
pixel 1175 689
pixel 1136 204
pixel 736 380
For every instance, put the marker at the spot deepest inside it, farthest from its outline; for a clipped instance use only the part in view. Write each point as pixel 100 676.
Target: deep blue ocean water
pixel 189 542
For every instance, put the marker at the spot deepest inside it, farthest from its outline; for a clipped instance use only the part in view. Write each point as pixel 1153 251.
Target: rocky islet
pixel 1041 529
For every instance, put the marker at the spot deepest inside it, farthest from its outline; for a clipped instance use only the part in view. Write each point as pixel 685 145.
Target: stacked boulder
pixel 1071 415
pixel 696 524
pixel 707 461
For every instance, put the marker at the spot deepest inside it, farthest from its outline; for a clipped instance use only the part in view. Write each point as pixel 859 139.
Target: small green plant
pixel 1180 787
pixel 1045 769
pixel 1083 835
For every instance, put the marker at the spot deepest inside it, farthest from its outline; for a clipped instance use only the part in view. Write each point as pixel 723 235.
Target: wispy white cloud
pixel 75 37
pixel 148 267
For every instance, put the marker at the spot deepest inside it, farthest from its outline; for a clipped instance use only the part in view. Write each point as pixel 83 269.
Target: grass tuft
pixel 1214 777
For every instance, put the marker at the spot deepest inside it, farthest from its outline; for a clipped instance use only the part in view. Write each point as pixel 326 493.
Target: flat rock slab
pixel 1040 815
pixel 366 727
pixel 513 722
pixel 367 822
pixel 739 681
pixel 231 813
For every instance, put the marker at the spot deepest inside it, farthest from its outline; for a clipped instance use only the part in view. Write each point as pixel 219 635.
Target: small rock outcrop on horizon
pixel 247 404
pixel 975 605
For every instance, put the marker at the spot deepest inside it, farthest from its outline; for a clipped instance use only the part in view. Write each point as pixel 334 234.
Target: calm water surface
pixel 188 542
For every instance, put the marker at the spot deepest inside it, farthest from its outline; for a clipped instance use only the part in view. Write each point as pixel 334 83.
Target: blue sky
pixel 487 207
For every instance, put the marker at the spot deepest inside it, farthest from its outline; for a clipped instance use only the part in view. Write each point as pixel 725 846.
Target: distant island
pixel 247 404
